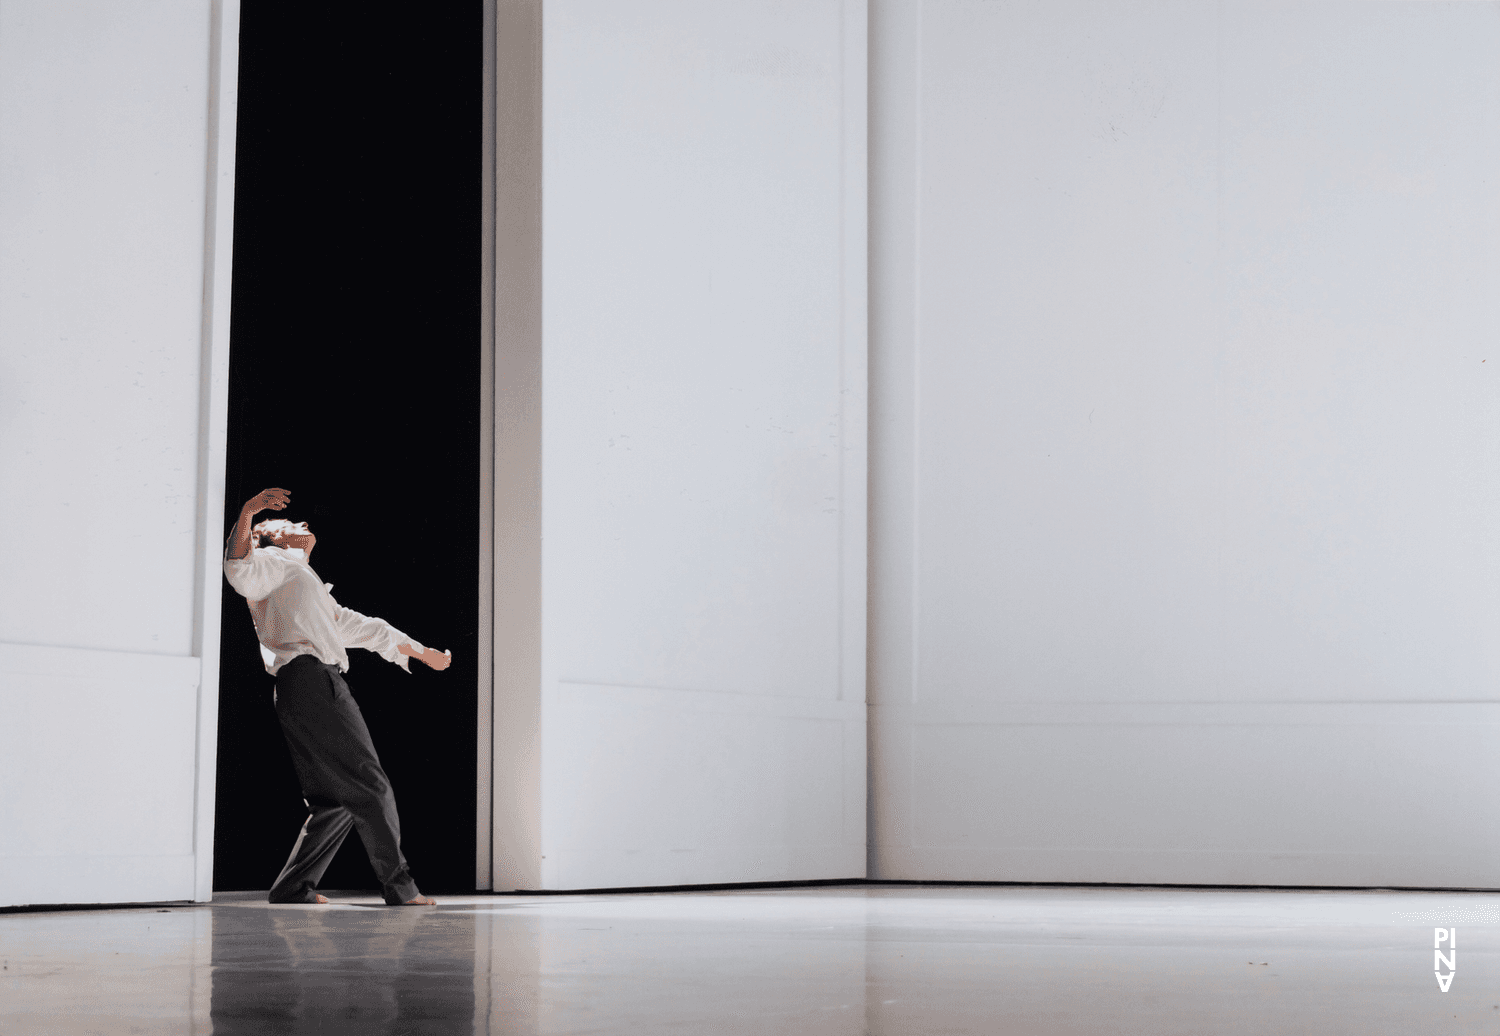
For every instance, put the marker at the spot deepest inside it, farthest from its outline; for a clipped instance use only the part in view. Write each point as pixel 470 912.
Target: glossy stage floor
pixel 902 960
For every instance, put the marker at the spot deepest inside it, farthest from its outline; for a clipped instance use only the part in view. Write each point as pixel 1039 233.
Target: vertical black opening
pixel 354 383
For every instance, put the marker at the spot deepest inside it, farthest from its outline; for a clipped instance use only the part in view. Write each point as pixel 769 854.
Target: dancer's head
pixel 279 532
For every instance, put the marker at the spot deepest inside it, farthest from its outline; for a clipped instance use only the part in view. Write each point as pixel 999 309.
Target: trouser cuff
pixel 395 895
pixel 306 894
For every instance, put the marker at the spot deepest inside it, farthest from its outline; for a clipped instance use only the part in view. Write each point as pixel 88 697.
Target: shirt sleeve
pixel 372 634
pixel 256 575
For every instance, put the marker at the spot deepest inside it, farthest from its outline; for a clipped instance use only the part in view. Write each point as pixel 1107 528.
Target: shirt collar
pixel 291 553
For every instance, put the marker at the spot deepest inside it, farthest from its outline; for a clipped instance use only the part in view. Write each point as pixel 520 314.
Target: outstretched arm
pixel 379 636
pixel 265 500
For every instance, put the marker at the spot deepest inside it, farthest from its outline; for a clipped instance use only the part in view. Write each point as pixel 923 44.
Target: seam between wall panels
pixel 910 762
pixel 916 367
pixel 218 242
pixel 842 345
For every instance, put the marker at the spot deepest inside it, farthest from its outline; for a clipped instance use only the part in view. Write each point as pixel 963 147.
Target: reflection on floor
pixel 897 960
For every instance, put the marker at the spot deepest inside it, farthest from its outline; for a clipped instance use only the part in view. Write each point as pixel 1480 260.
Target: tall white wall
pixel 684 412
pixel 115 172
pixel 1185 442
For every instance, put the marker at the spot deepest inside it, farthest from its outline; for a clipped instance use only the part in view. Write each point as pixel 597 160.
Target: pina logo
pixel 1439 960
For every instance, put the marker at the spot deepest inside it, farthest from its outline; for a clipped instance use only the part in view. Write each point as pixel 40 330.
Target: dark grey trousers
pixel 342 783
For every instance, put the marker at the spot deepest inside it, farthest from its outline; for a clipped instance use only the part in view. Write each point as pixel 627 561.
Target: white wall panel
pixel 116 173
pixel 1188 793
pixel 722 787
pixel 103 119
pixel 97 759
pixel 693 379
pixel 701 457
pixel 1181 395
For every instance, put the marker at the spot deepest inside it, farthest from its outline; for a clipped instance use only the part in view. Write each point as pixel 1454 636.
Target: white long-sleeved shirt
pixel 295 614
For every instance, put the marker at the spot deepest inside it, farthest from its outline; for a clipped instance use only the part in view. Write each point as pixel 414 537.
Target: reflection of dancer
pixel 303 635
pixel 340 972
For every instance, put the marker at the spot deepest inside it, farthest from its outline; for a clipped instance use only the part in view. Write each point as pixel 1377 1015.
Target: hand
pixel 438 660
pixel 267 500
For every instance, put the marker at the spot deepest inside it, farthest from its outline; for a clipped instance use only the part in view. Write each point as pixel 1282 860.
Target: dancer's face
pixel 290 535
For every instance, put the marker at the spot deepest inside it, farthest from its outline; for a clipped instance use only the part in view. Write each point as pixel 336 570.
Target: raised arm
pixel 265 500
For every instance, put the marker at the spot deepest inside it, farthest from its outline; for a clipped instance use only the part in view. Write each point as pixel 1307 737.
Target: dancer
pixel 303 635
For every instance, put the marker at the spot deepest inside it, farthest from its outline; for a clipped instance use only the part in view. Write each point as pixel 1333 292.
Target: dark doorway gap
pixel 354 383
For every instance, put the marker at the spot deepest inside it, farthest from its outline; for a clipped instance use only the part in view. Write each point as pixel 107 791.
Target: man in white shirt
pixel 304 634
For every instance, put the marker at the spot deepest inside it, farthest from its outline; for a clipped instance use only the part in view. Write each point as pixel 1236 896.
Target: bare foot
pixel 421 901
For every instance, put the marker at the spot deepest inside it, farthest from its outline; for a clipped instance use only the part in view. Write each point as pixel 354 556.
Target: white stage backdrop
pixel 116 202
pixel 680 454
pixel 1186 446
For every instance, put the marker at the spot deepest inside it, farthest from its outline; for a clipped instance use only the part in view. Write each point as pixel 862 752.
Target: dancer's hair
pixel 260 532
